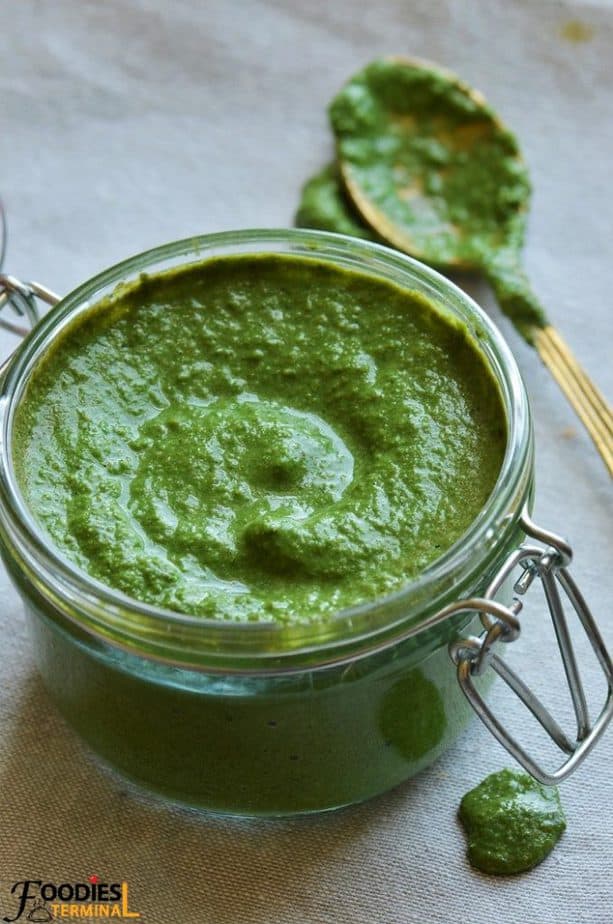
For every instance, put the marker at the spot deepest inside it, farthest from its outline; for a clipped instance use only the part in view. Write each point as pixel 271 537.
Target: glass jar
pixel 263 719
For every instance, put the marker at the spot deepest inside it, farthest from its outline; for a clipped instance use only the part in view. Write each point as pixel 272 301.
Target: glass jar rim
pixel 178 638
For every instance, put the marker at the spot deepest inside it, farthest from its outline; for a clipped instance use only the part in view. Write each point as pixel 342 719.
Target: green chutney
pixel 429 164
pixel 259 438
pixel 512 822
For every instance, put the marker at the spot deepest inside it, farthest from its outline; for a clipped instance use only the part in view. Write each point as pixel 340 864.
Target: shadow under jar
pixel 271 719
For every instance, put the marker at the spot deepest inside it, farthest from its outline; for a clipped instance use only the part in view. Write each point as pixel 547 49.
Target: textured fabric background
pixel 124 125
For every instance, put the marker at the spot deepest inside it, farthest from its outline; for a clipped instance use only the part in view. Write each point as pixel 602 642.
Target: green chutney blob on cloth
pixel 512 822
pixel 259 438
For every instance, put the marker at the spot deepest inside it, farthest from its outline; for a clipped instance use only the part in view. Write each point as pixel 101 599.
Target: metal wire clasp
pixel 501 624
pixel 22 298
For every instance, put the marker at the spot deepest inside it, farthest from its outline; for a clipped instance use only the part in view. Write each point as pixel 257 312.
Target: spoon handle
pixel 518 301
pixel 585 398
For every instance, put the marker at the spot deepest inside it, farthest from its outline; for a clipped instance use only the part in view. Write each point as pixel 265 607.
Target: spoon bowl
pixel 429 165
pixel 433 170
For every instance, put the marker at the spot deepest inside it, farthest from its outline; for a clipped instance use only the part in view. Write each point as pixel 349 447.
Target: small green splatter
pixel 576 31
pixel 512 822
